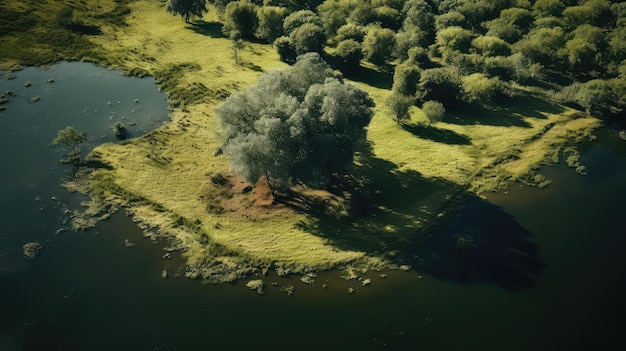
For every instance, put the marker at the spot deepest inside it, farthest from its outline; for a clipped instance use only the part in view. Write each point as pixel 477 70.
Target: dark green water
pixel 541 269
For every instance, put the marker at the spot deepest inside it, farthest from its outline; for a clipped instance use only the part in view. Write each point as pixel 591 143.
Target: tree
pixel 236 44
pixel 378 44
pixel 270 22
pixel 241 16
pixel 350 31
pixel 478 88
pixel 491 46
pixel 399 104
pixel 186 8
pixel 405 78
pixel 441 84
pixel 308 37
pixel 350 54
pixel 285 50
pixel 300 124
pixel 434 111
pixel 299 18
pixel 71 139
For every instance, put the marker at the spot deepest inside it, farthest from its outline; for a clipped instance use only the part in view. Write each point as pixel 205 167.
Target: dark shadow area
pixel 211 29
pixel 384 211
pixel 481 244
pixel 437 135
pixel 391 208
pixel 85 29
pixel 252 66
pixel 373 78
pixel 511 113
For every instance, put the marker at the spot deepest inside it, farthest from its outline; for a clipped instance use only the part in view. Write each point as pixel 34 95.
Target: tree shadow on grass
pixel 391 208
pixel 482 243
pixel 437 135
pixel 211 29
pixel 369 76
pixel 512 113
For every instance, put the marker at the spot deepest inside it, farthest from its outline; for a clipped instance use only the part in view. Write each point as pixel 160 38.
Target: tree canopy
pixel 299 124
pixel 186 8
pixel 71 139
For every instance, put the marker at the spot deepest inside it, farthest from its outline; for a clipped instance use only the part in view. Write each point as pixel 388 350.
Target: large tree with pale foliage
pixel 186 8
pixel 299 124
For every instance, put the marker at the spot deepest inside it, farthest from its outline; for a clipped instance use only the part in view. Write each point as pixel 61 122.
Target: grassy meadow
pixel 404 181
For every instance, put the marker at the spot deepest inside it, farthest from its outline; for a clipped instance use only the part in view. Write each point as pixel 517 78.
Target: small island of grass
pixel 465 102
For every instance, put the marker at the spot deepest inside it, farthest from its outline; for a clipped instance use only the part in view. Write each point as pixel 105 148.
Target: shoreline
pixel 163 178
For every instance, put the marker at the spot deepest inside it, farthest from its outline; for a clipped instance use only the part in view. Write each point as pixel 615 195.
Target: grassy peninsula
pixel 175 182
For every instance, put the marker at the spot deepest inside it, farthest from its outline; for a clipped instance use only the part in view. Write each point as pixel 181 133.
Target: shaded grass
pixel 31 36
pixel 400 185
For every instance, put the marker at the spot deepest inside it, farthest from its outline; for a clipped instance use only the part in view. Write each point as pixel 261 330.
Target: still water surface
pixel 543 269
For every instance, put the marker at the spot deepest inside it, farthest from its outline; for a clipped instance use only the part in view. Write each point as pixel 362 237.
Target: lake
pixel 530 269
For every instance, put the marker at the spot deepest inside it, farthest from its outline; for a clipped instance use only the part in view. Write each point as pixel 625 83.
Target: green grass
pixel 402 182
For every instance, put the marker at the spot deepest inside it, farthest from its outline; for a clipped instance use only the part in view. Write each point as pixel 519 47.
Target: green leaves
pixel 296 124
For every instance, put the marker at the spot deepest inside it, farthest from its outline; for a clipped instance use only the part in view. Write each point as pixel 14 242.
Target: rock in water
pixel 31 249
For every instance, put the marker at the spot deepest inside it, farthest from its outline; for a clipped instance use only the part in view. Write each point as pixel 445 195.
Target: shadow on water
pixel 482 244
pixel 211 29
pixel 438 135
pixel 510 113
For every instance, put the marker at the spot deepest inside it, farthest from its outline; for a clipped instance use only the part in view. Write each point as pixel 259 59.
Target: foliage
pixel 350 31
pixel 478 88
pixel 405 78
pixel 298 18
pixel 270 22
pixel 434 111
pixel 71 139
pixel 399 104
pixel 308 37
pixel 241 16
pixel 441 84
pixel 297 124
pixel 186 8
pixel 350 53
pixel 491 46
pixel 285 50
pixel 377 45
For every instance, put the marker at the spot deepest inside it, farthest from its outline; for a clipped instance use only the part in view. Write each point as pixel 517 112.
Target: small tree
pixel 399 105
pixel 308 37
pixel 378 44
pixel 186 8
pixel 237 44
pixel 270 22
pixel 434 111
pixel 71 139
pixel 350 54
pixel 241 16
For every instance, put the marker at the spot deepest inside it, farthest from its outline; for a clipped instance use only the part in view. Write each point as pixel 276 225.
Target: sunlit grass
pixel 404 180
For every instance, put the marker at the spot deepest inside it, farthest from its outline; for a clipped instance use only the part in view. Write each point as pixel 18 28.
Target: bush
pixel 350 54
pixel 285 50
pixel 308 37
pixel 399 105
pixel 434 111
pixel 241 16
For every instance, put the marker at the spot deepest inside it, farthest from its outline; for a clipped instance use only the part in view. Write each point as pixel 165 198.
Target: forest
pixel 451 51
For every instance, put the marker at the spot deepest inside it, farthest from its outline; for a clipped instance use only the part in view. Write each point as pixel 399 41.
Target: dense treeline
pixel 455 51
